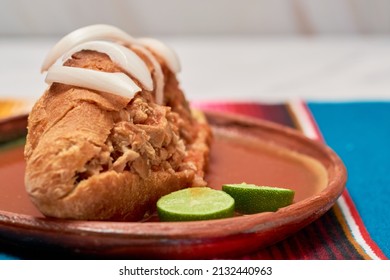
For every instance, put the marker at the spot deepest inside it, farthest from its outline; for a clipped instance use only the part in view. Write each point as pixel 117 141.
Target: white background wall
pixel 197 17
pixel 244 49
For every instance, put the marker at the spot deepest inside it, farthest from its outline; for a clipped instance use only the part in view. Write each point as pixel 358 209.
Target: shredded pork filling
pixel 145 138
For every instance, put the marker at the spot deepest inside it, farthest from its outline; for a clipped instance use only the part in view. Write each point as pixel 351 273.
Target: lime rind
pixel 251 199
pixel 194 204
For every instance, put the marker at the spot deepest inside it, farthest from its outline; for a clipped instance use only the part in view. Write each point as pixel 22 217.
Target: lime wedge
pixel 192 204
pixel 252 199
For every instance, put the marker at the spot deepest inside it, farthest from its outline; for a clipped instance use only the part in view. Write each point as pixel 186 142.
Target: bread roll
pixel 94 155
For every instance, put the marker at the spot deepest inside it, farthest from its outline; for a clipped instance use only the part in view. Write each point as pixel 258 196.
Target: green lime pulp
pixel 193 204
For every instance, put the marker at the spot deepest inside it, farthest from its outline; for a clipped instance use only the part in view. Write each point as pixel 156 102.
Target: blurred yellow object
pixel 13 107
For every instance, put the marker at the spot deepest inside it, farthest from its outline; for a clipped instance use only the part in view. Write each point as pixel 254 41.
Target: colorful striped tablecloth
pixel 358 225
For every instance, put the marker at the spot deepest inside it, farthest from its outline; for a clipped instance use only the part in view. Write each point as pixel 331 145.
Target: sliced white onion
pixel 122 56
pixel 84 34
pixel 158 74
pixel 116 83
pixel 166 52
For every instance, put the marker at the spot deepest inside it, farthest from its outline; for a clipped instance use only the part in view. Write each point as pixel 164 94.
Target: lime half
pixel 252 199
pixel 193 204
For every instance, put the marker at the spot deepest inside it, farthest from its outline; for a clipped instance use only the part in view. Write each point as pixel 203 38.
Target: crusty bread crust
pixel 72 163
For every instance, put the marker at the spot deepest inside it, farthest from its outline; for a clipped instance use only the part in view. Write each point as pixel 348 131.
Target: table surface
pixel 267 69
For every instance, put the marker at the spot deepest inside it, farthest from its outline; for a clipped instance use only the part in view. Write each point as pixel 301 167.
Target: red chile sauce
pixel 232 160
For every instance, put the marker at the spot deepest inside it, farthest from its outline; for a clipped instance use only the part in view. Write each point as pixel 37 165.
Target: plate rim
pixel 309 208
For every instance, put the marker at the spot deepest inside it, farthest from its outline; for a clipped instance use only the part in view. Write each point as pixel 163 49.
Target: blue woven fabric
pixel 360 134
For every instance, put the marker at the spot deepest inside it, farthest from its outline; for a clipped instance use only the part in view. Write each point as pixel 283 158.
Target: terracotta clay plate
pixel 243 150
